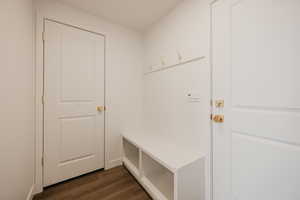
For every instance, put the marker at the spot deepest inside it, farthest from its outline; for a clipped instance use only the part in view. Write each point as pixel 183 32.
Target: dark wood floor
pixel 114 184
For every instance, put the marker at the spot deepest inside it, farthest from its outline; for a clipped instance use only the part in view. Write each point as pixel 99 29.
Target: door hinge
pixel 43 100
pixel 44 34
pixel 42 161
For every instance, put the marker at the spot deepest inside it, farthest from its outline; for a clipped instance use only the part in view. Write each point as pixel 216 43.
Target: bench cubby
pixel 166 171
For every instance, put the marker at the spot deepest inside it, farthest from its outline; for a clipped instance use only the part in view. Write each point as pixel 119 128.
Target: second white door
pixel 256 150
pixel 73 89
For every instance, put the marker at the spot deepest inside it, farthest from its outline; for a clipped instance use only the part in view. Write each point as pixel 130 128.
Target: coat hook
pixel 179 56
pixel 162 60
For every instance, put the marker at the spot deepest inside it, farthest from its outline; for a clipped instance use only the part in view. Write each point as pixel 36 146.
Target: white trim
pixel 39 90
pixel 113 163
pixel 38 104
pixel 211 162
pixel 30 193
pixel 211 154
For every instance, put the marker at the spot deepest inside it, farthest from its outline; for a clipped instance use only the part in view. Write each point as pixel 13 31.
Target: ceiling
pixel 137 14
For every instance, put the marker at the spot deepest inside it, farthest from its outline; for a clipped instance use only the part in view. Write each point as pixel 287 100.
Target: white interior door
pixel 256 70
pixel 74 87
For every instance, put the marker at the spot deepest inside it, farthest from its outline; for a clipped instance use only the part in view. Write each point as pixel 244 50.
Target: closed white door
pixel 256 71
pixel 73 89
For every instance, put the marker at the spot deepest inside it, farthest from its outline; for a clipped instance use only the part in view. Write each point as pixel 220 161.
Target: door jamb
pixel 211 4
pixel 39 98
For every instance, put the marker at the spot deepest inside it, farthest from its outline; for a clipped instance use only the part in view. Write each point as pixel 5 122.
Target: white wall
pixel 17 99
pixel 168 111
pixel 124 58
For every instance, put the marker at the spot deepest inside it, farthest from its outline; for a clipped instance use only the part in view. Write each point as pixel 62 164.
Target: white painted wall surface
pixel 124 58
pixel 168 111
pixel 17 99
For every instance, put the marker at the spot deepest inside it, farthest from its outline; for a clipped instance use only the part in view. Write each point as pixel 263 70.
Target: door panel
pixel 264 47
pixel 78 60
pixel 74 87
pixel 269 124
pixel 264 169
pixel 255 68
pixel 81 145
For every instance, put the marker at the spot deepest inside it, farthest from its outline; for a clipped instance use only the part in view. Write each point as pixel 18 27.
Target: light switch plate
pixel 194 97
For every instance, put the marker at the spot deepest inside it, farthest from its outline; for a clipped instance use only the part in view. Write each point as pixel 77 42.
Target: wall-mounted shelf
pixel 173 59
pixel 167 171
pixel 165 67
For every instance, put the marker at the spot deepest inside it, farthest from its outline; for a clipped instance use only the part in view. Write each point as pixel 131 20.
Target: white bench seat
pixel 168 171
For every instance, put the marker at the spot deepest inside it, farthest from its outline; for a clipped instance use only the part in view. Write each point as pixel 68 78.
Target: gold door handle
pixel 100 108
pixel 220 103
pixel 218 118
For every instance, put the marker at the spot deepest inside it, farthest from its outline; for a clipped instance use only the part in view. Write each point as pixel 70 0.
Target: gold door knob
pixel 100 108
pixel 218 118
pixel 220 103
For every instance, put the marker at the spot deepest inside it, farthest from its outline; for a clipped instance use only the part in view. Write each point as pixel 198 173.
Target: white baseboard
pixel 30 193
pixel 113 163
pixel 37 189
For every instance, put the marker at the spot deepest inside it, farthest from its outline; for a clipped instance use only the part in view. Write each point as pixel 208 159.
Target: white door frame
pixel 39 92
pixel 211 175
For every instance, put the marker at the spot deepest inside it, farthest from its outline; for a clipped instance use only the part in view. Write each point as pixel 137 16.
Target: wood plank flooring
pixel 114 184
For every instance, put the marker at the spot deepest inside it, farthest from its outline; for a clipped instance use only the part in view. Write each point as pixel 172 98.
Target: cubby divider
pixel 131 157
